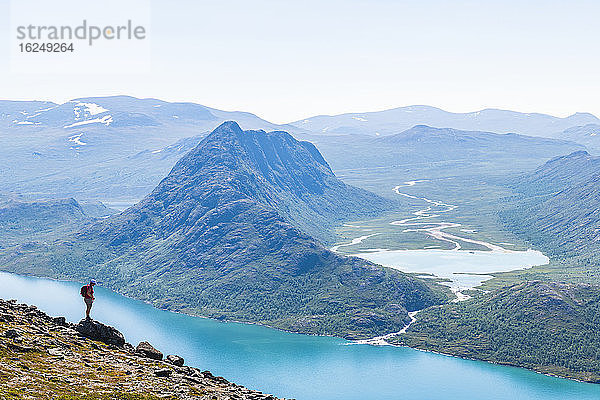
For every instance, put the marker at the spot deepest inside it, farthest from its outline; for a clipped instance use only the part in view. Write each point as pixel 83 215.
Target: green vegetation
pixel 552 328
pixel 22 220
pixel 222 236
pixel 554 208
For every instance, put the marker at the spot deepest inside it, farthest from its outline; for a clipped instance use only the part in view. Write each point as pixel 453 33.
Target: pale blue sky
pixel 285 60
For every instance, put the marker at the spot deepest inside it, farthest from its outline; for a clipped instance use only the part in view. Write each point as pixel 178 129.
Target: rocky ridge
pixel 44 357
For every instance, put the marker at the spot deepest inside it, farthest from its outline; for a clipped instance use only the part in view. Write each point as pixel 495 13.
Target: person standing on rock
pixel 87 292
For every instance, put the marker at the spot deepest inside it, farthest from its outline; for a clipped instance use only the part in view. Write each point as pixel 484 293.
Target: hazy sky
pixel 286 60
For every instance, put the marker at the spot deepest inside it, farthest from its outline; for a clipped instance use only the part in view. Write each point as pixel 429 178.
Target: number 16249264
pixel 46 47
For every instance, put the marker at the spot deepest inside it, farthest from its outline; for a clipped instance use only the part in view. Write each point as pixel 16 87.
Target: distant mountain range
pixel 118 112
pixel 389 122
pixel 86 148
pixel 423 143
pixel 116 149
pixel 588 135
pixel 223 235
pixel 424 151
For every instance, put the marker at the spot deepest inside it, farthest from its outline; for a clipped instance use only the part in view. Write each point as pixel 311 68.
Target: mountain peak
pixel 574 156
pixel 578 154
pixel 229 234
pixel 270 168
pixel 585 115
pixel 228 127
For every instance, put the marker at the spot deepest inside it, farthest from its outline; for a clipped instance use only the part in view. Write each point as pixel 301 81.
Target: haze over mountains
pixel 116 149
pixel 380 163
pixel 389 122
pixel 86 148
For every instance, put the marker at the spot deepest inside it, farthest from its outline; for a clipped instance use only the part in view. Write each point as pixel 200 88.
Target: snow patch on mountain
pixel 77 139
pixel 106 120
pixel 90 108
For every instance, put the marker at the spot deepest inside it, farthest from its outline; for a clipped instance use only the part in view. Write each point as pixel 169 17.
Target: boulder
pixel 175 360
pixel 98 331
pixel 11 334
pixel 59 321
pixel 145 349
pixel 163 372
pixel 57 352
pixel 20 349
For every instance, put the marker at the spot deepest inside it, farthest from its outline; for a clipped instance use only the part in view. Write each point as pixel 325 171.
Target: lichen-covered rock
pixel 11 334
pixel 163 372
pixel 145 349
pixel 175 360
pixel 98 331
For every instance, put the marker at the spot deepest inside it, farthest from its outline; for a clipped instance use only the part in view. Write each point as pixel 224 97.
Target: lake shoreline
pixel 504 364
pixel 225 321
pixel 347 341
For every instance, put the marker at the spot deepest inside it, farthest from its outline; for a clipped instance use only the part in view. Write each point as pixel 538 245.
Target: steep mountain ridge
pixel 289 176
pixel 217 238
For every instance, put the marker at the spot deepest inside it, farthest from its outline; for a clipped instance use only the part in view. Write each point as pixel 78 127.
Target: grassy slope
pixel 555 209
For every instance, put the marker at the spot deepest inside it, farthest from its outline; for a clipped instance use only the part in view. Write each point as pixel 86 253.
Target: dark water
pixel 299 366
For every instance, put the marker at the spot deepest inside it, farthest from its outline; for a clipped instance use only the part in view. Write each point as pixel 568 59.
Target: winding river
pixel 298 366
pixel 463 269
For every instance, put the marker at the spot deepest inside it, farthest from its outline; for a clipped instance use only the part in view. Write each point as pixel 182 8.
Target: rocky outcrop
pixel 145 349
pixel 11 334
pixel 98 331
pixel 175 360
pixel 53 358
pixel 163 372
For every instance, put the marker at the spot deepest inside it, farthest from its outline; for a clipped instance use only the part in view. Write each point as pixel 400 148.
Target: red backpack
pixel 83 290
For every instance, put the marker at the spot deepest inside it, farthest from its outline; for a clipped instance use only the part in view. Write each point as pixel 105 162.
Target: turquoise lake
pixel 296 366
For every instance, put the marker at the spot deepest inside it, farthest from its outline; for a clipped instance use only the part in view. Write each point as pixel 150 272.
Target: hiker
pixel 87 292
